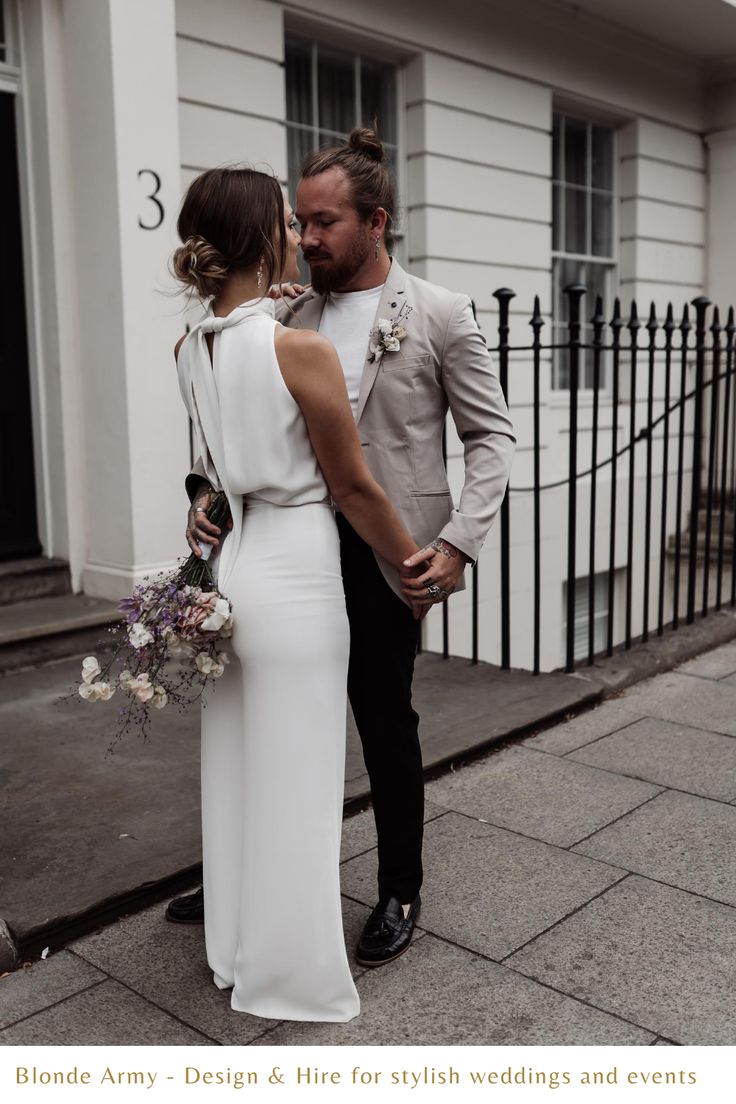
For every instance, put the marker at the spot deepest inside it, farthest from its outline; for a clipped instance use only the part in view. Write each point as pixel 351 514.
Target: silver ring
pixel 200 510
pixel 434 591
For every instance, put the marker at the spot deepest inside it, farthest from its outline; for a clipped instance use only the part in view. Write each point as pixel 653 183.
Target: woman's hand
pixel 287 291
pixel 440 566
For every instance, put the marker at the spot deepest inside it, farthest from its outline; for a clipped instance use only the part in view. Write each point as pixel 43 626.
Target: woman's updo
pixel 230 218
pixel 364 162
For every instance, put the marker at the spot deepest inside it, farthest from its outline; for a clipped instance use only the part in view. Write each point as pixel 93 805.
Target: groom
pixel 402 376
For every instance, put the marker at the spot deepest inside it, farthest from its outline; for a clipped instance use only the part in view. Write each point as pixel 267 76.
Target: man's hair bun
pixel 365 140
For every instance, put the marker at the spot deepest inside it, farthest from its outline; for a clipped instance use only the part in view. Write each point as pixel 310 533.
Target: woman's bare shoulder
pixel 297 346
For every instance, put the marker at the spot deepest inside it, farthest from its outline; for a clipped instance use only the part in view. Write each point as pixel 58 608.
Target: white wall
pixel 231 87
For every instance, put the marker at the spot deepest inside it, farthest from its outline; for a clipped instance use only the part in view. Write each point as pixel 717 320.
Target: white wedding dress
pixel 273 728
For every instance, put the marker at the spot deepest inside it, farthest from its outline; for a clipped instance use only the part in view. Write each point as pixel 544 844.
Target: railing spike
pixel 536 321
pixel 634 322
pixel 685 324
pixel 716 323
pixel 669 322
pixel 599 318
pixel 652 323
pixel 730 325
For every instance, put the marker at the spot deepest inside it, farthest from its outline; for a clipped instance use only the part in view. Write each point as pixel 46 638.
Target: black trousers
pixel 383 646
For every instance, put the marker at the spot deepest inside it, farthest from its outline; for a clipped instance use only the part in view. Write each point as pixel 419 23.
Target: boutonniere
pixel 388 334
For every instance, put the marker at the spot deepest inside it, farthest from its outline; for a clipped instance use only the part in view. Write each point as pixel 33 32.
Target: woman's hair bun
pixel 365 140
pixel 199 265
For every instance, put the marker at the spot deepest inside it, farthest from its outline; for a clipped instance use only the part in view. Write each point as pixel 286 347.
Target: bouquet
pixel 164 649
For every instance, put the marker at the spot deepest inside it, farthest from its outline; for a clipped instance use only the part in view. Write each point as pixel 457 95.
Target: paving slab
pixel 487 889
pixel 82 826
pixel 683 699
pixel 36 987
pixel 591 724
pixel 715 664
pixel 359 831
pixel 105 1015
pixel 440 995
pixel 465 707
pixel 657 956
pixel 540 795
pixel 668 754
pixel 166 964
pixel 676 838
pixel 86 833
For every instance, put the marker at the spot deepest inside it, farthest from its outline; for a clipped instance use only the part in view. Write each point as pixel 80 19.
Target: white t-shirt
pixel 347 320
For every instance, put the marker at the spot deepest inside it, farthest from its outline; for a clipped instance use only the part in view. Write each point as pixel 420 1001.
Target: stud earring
pixel 259 274
pixel 378 246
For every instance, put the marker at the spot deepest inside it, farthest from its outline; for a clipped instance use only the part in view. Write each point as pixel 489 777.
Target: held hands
pixel 431 575
pixel 199 529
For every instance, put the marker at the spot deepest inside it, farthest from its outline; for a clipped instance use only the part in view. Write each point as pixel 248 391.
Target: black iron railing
pixel 666 387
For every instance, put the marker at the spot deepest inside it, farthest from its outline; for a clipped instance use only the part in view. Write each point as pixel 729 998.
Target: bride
pixel 275 429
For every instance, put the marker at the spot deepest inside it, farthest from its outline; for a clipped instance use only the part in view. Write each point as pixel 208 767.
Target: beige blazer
pixel 404 396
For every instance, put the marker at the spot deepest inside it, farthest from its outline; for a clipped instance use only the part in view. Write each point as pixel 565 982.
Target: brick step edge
pixel 36 577
pixel 37 651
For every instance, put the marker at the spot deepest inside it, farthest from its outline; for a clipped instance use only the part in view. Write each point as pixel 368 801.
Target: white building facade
pixel 535 143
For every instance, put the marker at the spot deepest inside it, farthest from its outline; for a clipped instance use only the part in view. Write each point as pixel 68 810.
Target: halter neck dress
pixel 273 727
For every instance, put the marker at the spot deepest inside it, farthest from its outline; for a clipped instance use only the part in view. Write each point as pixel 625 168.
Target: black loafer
pixel 387 932
pixel 187 910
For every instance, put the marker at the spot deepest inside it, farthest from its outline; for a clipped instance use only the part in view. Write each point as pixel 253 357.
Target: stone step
pixel 36 630
pixel 34 577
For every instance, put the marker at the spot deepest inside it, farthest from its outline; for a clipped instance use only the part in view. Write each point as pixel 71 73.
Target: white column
pixel 124 151
pixel 721 243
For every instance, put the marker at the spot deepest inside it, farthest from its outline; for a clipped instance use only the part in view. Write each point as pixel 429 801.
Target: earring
pixel 259 273
pixel 378 246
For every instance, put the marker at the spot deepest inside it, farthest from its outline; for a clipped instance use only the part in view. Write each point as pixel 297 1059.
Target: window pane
pixel 576 151
pixel 576 204
pixel 336 82
pixel 596 280
pixel 602 151
pixel 602 225
pixel 378 98
pixel 558 217
pixel 299 144
pixel 298 81
pixel 557 146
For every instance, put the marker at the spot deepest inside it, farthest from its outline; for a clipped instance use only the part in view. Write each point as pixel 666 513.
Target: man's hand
pixel 443 566
pixel 199 529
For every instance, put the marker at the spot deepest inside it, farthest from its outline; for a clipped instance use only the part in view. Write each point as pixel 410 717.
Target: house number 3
pixel 152 197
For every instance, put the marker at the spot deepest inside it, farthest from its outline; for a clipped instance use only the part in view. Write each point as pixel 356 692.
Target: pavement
pixel 87 835
pixel 579 890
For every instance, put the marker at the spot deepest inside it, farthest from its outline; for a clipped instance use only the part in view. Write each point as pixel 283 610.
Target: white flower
pixel 90 669
pixel 96 691
pixel 217 669
pixel 138 635
pixel 160 697
pixel 384 325
pixel 141 687
pixel 215 620
pixel 204 663
pixel 124 678
pixel 392 344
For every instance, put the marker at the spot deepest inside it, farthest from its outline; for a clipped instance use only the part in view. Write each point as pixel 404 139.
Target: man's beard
pixel 334 275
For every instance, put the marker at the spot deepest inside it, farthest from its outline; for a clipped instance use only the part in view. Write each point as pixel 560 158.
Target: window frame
pixel 559 393
pixel 315 37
